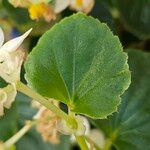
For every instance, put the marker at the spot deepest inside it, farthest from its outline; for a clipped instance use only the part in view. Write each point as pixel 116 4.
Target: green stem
pixel 19 134
pixel 107 144
pixel 29 92
pixel 109 141
pixel 82 142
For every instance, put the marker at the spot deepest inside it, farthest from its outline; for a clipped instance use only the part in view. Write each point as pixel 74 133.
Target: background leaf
pixel 8 124
pixel 129 129
pixel 33 141
pixel 81 63
pixel 2 83
pixel 16 13
pixel 101 11
pixel 135 16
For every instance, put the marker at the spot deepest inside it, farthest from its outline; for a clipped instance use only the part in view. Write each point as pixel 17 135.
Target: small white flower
pixel 7 96
pixel 82 5
pixel 20 3
pixel 10 58
pixel 10 66
pixel 61 5
pixel 77 5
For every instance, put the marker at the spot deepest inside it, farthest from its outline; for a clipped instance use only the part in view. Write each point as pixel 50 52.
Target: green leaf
pixel 2 83
pixel 25 110
pixel 81 63
pixel 33 141
pixel 129 129
pixel 8 129
pixel 135 15
pixel 16 13
pixel 16 116
pixel 8 123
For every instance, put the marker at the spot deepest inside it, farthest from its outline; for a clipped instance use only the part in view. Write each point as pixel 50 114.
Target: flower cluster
pixel 11 59
pixel 48 9
pixel 50 126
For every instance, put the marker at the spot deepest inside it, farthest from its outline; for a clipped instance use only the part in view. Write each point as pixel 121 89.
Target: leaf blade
pixel 73 55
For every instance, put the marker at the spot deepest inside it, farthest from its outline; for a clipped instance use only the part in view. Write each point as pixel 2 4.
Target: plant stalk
pixel 82 142
pixel 107 144
pixel 19 134
pixel 29 92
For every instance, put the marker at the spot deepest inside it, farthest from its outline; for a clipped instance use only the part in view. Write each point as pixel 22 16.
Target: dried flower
pixel 47 125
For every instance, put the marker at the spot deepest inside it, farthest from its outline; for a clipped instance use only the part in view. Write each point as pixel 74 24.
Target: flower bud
pixel 63 127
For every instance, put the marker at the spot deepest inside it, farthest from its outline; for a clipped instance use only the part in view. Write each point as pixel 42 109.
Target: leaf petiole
pixel 68 118
pixel 29 92
pixel 82 142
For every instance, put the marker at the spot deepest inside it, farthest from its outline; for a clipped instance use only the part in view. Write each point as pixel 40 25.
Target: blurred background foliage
pixel 129 19
pixel 129 129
